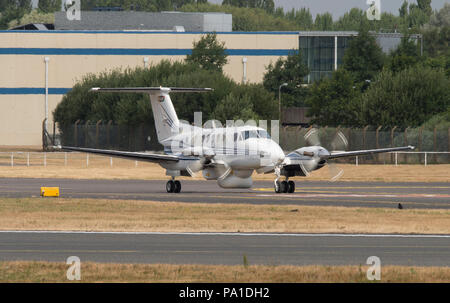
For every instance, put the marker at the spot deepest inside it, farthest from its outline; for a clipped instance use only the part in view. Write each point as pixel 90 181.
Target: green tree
pixel 267 5
pixel 304 19
pixel 335 101
pixel 425 6
pixel 436 33
pixel 351 20
pixel 405 56
pixel 13 10
pixel 234 107
pixel 407 98
pixel 324 22
pixel 364 58
pixel 403 10
pixel 209 53
pixel 291 70
pixel 416 17
pixel 35 16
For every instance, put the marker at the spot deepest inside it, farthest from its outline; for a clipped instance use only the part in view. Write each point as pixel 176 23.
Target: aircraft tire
pixel 177 185
pixel 284 187
pixel 291 187
pixel 170 186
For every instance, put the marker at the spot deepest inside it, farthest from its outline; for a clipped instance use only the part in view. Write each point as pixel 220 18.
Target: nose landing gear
pixel 173 186
pixel 283 186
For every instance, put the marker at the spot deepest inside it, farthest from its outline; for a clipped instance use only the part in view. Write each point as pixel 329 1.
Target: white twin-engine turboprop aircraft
pixel 229 155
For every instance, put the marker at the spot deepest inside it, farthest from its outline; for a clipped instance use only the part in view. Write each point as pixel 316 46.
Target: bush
pixel 407 98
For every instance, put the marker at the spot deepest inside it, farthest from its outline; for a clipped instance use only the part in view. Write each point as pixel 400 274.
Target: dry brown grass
pixel 149 171
pixel 98 167
pixel 116 215
pixel 26 271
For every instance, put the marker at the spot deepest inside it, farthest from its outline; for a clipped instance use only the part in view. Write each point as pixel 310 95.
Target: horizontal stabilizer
pixel 151 89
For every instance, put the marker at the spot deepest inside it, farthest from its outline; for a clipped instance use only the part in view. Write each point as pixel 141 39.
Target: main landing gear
pixel 173 186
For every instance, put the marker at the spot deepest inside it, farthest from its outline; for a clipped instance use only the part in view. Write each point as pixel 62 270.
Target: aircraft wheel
pixel 278 187
pixel 177 185
pixel 170 186
pixel 284 187
pixel 291 186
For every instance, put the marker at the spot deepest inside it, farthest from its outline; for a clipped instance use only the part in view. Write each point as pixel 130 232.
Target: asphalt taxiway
pixel 355 194
pixel 228 249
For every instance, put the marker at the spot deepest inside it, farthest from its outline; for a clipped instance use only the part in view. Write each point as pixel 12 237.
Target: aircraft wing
pixel 367 152
pixel 124 154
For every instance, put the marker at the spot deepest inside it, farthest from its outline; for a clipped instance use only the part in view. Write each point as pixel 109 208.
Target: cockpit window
pixel 263 134
pixel 250 134
pixel 237 137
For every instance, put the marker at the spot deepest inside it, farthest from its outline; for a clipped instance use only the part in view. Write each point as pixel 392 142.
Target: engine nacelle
pixel 233 181
pixel 305 160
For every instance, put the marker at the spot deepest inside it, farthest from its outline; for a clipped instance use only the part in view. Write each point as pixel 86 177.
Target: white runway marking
pixel 225 234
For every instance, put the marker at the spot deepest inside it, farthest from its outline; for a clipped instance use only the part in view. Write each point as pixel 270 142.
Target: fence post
pixel 406 143
pixel 142 141
pixel 28 159
pixel 392 142
pixel 364 140
pixel 12 159
pixel 54 133
pixel 75 133
pixel 420 138
pixel 434 143
pixel 97 132
pixel 108 128
pixel 86 133
pixel 378 144
pixel 364 136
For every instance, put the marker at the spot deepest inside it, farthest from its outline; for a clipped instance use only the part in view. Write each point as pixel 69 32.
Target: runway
pixel 228 249
pixel 353 194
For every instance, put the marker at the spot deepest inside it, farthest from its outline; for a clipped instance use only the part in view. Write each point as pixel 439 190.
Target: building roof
pixel 132 20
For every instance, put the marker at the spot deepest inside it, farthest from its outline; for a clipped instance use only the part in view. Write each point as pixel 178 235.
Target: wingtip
pixel 411 147
pixel 94 89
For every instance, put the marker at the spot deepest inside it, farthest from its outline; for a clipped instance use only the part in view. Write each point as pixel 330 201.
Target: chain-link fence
pixel 143 138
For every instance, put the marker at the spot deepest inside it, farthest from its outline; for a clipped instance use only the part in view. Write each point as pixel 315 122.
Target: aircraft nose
pixel 277 154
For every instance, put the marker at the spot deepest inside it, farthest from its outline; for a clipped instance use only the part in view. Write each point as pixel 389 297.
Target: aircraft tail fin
pixel 166 120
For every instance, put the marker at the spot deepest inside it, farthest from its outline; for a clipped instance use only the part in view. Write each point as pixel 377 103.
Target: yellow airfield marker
pixel 49 191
